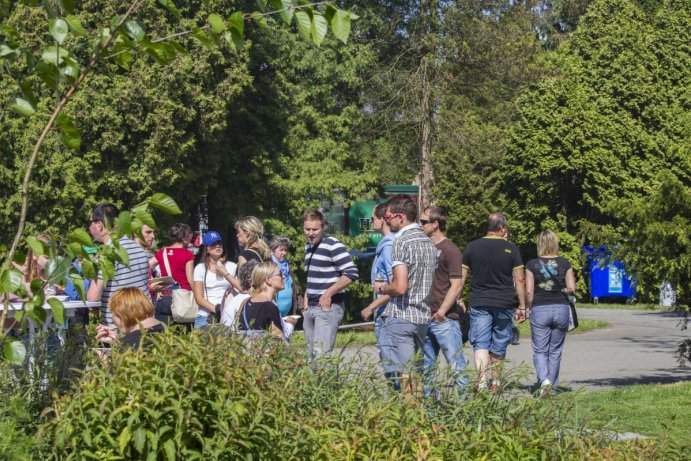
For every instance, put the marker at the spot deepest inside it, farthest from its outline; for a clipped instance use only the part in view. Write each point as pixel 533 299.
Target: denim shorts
pixel 490 329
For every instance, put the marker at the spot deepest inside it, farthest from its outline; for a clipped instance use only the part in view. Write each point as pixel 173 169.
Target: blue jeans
pixel 445 336
pixel 548 325
pixel 490 329
pixel 201 321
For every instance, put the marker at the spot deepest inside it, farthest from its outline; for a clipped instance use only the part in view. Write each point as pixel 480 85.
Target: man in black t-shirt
pixel 496 276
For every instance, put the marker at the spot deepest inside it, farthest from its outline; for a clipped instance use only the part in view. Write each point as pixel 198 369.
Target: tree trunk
pixel 426 141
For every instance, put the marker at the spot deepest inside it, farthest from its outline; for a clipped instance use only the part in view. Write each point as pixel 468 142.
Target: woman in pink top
pixel 181 262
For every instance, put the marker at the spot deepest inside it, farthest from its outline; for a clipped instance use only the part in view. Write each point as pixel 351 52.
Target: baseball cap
pixel 211 237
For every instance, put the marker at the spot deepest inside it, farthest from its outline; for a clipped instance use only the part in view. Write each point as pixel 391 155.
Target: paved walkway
pixel 637 348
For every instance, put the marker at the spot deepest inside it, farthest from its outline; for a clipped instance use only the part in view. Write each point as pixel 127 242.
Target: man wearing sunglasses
pixel 444 333
pixel 136 275
pixel 407 314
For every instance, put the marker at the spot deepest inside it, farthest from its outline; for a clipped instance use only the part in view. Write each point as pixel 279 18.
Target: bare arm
pixel 95 290
pixel 189 271
pixel 399 283
pixel 449 300
pixel 519 282
pixel 366 313
pixel 153 262
pixel 198 290
pixel 529 288
pixel 342 282
pixel 464 277
pixel 241 261
pixel 570 282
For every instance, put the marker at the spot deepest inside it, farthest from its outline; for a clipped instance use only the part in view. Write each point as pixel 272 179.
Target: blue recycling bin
pixel 608 278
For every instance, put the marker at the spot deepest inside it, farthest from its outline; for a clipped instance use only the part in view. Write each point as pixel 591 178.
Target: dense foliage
pixel 208 396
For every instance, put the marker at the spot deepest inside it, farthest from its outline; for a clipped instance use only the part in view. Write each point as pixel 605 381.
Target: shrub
pixel 209 396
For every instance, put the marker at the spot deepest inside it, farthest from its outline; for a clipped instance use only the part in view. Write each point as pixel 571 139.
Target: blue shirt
pixel 382 258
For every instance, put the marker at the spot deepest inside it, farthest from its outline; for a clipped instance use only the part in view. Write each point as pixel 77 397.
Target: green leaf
pixel 216 22
pixel 58 310
pixel 35 245
pixel 124 59
pixel 8 53
pixel 70 69
pixel 124 224
pixel 37 312
pixel 319 28
pixel 78 282
pixel 54 55
pixel 304 24
pixel 28 92
pixel 67 5
pixel 144 216
pixel 262 5
pixel 36 287
pixel 124 439
pixel 237 22
pixel 23 107
pixel 234 39
pixel 169 449
pixel 171 7
pixel 122 256
pixel 71 137
pixel 76 26
pixel 49 74
pixel 340 25
pixel 286 10
pixel 135 30
pixel 15 352
pixel 203 37
pixel 164 203
pixel 11 280
pixel 140 439
pixel 58 29
pixel 260 19
pixel 56 270
pixel 80 236
pixel 178 48
pixel 19 257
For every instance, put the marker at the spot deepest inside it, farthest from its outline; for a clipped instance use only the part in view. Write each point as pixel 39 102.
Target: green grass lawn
pixel 633 307
pixel 651 410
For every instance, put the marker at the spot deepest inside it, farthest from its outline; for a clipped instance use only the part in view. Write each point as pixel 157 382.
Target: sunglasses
pixel 391 216
pixel 425 221
pixel 274 275
pixel 89 222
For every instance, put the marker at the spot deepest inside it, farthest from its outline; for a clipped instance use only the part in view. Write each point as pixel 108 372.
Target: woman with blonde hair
pixel 133 315
pixel 549 279
pixel 260 312
pixel 250 235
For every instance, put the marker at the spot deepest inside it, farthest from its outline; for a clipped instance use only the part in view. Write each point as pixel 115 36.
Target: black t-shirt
pixel 491 261
pixel 260 315
pixel 250 254
pixel 133 338
pixel 550 279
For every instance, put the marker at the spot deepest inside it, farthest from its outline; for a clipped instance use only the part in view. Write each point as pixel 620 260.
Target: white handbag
pixel 184 307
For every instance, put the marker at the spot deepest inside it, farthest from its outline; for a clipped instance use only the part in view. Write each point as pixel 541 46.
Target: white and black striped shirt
pixel 329 262
pixel 136 275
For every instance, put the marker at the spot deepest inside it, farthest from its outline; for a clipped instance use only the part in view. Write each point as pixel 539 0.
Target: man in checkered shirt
pixel 407 315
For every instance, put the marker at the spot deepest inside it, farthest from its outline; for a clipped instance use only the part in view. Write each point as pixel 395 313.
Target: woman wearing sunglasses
pixel 260 312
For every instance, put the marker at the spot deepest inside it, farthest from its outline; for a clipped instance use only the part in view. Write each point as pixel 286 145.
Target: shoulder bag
pixel 184 307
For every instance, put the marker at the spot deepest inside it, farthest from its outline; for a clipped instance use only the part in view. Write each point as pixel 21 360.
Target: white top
pixel 230 310
pixel 216 285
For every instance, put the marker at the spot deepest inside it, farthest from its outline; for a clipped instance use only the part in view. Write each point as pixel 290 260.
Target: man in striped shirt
pixel 329 269
pixel 407 315
pixel 135 274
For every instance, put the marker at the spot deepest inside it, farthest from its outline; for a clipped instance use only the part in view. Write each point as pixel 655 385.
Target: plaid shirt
pixel 416 251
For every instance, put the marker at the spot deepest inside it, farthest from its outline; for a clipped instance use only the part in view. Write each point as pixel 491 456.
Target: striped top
pixel 137 275
pixel 330 261
pixel 413 249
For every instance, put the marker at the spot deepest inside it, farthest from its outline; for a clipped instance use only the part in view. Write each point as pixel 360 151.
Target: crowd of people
pixel 418 277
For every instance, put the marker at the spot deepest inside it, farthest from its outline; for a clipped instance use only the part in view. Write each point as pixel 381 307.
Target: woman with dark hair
pixel 212 277
pixel 250 235
pixel 177 262
pixel 549 279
